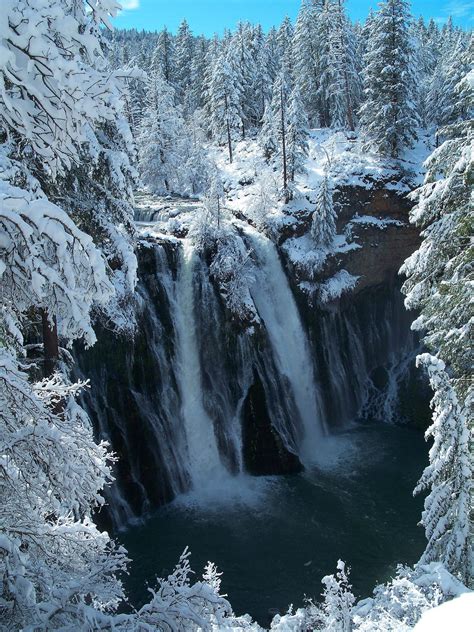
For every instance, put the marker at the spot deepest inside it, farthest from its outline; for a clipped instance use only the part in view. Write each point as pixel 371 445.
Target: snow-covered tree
pixel 439 285
pixel 339 65
pixel 267 138
pixel 446 516
pixel 297 147
pixel 439 272
pixel 225 93
pixel 388 116
pixel 163 56
pixel 338 601
pixel 162 142
pixel 305 58
pixel 323 225
pixel 441 97
pixel 279 112
pixel 183 57
pixel 261 80
pixel 57 570
pixel 284 42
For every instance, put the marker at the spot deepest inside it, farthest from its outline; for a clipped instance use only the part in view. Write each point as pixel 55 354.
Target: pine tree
pixel 184 49
pixel 439 280
pixel 225 93
pixel 163 57
pixel 446 516
pixel 441 97
pixel 262 81
pixel 284 42
pixel 388 116
pixel 323 227
pixel 267 138
pixel 297 135
pixel 198 75
pixel 279 107
pixel 162 142
pixel 340 77
pixel 439 271
pixel 305 58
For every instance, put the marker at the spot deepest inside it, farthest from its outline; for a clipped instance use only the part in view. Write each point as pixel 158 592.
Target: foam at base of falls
pixel 229 494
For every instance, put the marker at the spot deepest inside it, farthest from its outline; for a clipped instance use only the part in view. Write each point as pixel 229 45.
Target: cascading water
pixel 203 453
pixel 192 396
pixel 277 308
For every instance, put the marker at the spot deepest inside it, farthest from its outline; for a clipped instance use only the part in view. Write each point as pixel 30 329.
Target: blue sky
pixel 211 16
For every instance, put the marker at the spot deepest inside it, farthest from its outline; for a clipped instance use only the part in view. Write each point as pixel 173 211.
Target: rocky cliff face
pixel 375 222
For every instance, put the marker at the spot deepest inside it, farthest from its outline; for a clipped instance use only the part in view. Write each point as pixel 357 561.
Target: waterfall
pixel 277 308
pixel 203 453
pixel 176 403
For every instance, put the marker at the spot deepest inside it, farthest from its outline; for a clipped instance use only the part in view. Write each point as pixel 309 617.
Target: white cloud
pixel 128 5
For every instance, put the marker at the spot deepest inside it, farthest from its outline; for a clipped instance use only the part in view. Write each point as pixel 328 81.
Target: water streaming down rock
pixel 194 398
pixel 204 462
pixel 277 308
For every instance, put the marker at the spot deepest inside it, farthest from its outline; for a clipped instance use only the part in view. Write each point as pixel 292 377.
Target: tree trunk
pixel 50 344
pixel 229 139
pixel 283 146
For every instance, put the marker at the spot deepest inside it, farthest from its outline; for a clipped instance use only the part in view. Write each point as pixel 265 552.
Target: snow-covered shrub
pixel 398 605
pixel 231 267
pixel 338 600
pixel 341 283
pixel 264 201
pixel 179 605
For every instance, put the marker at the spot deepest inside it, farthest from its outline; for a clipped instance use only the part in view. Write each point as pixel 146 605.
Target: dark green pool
pixel 275 538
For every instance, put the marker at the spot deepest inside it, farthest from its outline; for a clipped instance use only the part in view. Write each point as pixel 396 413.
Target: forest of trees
pixel 386 78
pixel 86 117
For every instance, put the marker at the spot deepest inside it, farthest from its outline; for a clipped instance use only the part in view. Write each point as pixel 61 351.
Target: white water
pixel 204 460
pixel 277 308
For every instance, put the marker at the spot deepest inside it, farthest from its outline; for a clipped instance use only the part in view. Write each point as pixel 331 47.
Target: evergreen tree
pixel 284 43
pixel 342 80
pixel 225 100
pixel 162 142
pixel 446 516
pixel 388 116
pixel 305 58
pixel 323 227
pixel 439 280
pixel 297 149
pixel 198 75
pixel 267 138
pixel 162 59
pixel 183 59
pixel 441 98
pixel 279 107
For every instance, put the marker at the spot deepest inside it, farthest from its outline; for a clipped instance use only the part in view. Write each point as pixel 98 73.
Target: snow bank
pixel 456 615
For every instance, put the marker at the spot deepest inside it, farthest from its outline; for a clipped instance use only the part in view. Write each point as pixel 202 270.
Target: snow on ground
pixel 456 615
pixel 253 194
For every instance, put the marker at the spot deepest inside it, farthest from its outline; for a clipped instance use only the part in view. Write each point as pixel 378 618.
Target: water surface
pixel 276 537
